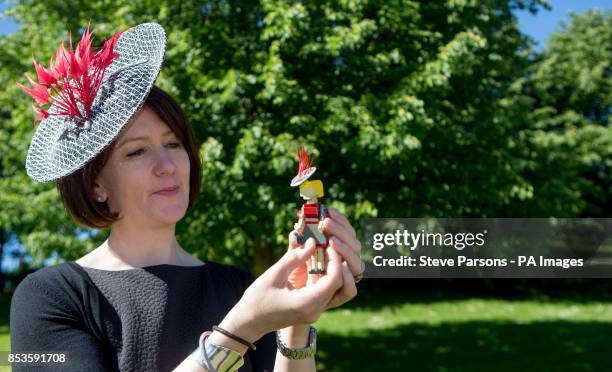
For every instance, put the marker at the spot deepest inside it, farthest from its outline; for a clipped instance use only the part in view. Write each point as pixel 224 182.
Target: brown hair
pixel 77 189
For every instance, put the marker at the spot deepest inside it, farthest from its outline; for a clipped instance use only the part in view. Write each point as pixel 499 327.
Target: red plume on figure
pixel 305 168
pixel 75 78
pixel 304 162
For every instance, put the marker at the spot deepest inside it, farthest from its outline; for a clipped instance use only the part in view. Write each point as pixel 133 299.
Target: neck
pixel 128 246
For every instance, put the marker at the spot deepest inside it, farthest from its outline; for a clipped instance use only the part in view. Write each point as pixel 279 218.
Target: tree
pixel 570 92
pixel 407 106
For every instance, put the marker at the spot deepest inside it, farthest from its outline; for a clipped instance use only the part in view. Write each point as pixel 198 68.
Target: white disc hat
pixel 305 168
pixel 64 142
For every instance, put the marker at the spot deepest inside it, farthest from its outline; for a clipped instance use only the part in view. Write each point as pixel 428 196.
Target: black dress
pixel 142 319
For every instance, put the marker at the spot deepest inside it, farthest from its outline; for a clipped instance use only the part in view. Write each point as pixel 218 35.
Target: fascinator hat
pixel 92 97
pixel 305 168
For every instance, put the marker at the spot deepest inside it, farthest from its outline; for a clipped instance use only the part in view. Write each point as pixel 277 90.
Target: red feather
pixel 47 77
pixel 75 78
pixel 38 92
pixel 304 161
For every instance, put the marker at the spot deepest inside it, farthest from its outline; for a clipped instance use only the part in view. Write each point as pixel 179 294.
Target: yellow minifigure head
pixel 311 189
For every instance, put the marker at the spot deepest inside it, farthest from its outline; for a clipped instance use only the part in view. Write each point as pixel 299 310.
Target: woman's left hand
pixel 342 239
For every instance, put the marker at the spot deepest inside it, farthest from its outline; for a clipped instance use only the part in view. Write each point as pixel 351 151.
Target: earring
pixel 100 199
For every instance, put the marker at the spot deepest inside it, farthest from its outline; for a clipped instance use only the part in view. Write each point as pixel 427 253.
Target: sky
pixel 539 27
pixel 542 25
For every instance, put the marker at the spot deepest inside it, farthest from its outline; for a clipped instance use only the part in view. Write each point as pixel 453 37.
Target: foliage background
pixel 413 109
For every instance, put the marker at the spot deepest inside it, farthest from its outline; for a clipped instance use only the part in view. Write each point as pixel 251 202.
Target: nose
pixel 164 163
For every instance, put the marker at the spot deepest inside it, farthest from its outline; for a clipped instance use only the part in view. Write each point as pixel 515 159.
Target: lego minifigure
pixel 312 213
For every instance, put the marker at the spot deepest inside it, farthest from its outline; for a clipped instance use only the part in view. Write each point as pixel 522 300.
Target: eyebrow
pixel 140 138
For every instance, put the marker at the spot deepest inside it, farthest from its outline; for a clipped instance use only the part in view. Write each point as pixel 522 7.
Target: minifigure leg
pixel 321 259
pixel 317 265
pixel 313 263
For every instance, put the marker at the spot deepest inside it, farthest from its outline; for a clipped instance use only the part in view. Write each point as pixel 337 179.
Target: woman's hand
pixel 285 295
pixel 298 278
pixel 344 239
pixel 272 302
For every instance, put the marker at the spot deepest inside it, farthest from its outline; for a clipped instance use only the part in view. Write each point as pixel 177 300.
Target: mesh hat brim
pixel 300 179
pixel 123 91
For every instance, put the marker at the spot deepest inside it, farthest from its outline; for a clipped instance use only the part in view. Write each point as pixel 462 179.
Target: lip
pixel 168 191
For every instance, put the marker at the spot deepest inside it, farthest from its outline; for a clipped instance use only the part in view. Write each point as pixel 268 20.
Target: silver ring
pixel 358 278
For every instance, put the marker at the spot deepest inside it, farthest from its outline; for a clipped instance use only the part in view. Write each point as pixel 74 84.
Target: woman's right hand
pixel 272 302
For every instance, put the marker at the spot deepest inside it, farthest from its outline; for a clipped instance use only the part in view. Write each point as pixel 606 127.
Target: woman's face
pixel 146 177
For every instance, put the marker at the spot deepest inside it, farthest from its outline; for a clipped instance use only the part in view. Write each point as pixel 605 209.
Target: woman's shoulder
pixel 230 274
pixel 226 267
pixel 56 281
pixel 49 276
pixel 48 287
pixel 55 275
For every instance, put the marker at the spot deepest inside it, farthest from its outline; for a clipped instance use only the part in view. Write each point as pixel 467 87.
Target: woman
pixel 141 302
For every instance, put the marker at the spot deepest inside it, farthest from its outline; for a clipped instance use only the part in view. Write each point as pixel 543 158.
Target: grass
pixel 5 339
pixel 399 331
pixel 465 334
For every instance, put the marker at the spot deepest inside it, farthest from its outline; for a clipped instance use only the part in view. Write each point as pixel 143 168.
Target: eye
pixel 175 145
pixel 135 153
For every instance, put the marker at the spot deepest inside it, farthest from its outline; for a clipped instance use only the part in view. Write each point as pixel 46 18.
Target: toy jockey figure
pixel 312 213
